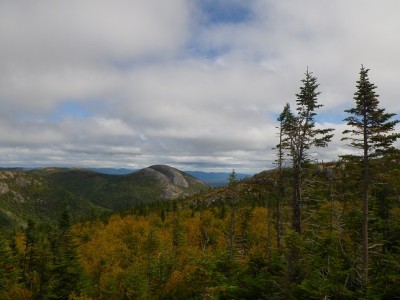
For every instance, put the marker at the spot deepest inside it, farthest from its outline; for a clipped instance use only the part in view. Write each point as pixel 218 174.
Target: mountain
pixel 43 193
pixel 124 191
pixel 215 179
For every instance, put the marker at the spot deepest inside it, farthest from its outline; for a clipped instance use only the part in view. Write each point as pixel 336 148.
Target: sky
pixel 194 84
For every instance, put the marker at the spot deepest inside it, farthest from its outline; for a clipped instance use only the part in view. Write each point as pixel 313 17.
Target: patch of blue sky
pixel 70 108
pixel 225 11
pixel 216 13
pixel 334 117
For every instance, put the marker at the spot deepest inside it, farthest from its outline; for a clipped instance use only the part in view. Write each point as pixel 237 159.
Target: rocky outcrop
pixel 175 176
pixel 13 182
pixel 4 189
pixel 174 183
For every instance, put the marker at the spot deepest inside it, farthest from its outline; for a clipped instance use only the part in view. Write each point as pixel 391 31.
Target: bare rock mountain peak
pixel 175 176
pixel 174 183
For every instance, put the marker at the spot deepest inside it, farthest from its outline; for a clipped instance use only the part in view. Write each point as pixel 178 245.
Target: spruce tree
pixel 284 121
pixel 29 259
pixel 8 268
pixel 301 135
pixel 370 132
pixel 67 272
pixel 232 198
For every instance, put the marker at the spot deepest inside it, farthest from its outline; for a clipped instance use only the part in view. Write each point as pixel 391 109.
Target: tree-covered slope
pixel 224 243
pixel 26 195
pixel 42 194
pixel 118 192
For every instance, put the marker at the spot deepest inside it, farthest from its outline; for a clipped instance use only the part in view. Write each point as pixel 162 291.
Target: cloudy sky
pixel 196 84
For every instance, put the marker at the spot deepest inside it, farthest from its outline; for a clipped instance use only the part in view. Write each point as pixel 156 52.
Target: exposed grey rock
pixel 4 189
pixel 174 175
pixel 173 182
pixel 18 198
pixel 7 174
pixel 22 181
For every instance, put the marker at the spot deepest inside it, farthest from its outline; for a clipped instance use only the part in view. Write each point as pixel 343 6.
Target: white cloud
pixel 52 50
pixel 169 82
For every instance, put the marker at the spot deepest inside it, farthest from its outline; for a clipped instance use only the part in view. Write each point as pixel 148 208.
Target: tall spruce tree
pixel 284 121
pixel 371 133
pixel 67 271
pixel 232 199
pixel 301 135
pixel 8 268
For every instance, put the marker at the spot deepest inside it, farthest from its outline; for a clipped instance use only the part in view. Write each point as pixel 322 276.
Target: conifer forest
pixel 302 230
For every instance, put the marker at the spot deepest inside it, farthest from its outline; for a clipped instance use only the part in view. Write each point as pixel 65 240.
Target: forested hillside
pixel 25 195
pixel 117 192
pixel 221 245
pixel 42 194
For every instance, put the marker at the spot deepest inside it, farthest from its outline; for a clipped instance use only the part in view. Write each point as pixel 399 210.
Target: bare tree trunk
pixel 279 195
pixel 231 233
pixel 297 199
pixel 279 212
pixel 365 218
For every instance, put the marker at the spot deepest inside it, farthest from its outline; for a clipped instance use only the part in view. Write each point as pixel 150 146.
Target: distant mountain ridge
pixel 43 193
pixel 215 179
pixel 113 171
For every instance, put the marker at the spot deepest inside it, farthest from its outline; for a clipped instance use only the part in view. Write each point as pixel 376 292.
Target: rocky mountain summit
pixel 174 182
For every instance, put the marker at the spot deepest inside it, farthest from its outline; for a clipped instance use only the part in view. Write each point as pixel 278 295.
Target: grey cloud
pixel 82 31
pixel 55 49
pixel 161 85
